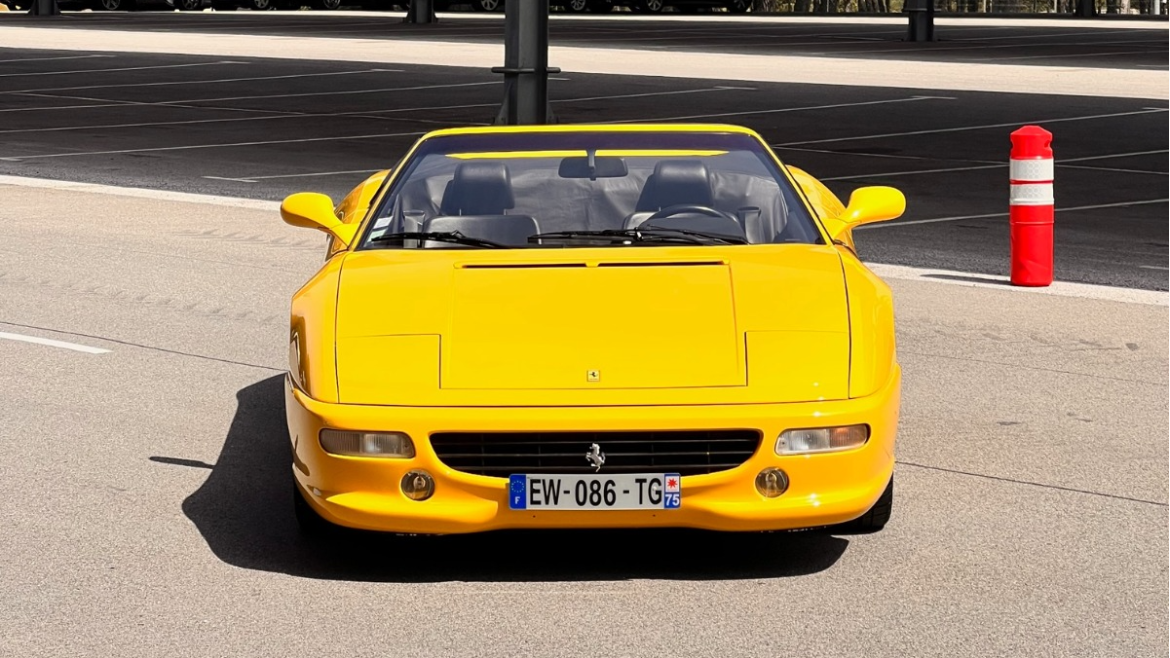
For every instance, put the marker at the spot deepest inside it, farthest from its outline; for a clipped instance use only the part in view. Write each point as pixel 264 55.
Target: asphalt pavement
pixel 264 128
pixel 147 508
pixel 144 339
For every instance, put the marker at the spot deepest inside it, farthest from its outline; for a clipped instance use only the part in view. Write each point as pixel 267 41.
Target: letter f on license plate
pixel 626 491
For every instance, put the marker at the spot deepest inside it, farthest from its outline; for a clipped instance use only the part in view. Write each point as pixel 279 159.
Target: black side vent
pixel 519 266
pixel 697 263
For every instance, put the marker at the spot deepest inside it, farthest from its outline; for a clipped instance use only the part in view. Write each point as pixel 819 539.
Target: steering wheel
pixel 688 208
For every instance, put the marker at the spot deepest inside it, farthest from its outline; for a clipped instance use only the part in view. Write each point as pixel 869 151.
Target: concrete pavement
pixel 147 510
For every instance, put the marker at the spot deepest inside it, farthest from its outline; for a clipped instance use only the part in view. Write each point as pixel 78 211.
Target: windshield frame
pixel 423 147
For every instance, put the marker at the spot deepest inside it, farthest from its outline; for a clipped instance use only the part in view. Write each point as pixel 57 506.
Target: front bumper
pixel 364 493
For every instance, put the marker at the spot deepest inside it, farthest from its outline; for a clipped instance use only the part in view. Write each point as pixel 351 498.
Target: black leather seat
pixel 479 188
pixel 673 182
pixel 475 202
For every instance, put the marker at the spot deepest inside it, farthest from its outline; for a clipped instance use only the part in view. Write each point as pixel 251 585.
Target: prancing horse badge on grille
pixel 592 375
pixel 595 457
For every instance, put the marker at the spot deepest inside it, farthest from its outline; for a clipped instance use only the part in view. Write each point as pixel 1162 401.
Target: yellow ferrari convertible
pixel 592 327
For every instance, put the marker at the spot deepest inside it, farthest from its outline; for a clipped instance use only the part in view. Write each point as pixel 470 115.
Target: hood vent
pixel 681 263
pixel 517 266
pixel 531 266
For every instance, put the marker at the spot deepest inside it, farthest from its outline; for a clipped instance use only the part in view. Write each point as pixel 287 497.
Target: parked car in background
pixel 119 5
pixel 605 6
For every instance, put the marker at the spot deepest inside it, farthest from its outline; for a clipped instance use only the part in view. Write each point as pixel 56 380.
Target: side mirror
pixel 866 206
pixel 873 204
pixel 312 210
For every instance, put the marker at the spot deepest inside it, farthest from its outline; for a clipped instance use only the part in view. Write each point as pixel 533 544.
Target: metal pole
pixel 421 12
pixel 921 20
pixel 44 8
pixel 525 66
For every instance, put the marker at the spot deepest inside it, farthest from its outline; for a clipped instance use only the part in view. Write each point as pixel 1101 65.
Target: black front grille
pixel 501 454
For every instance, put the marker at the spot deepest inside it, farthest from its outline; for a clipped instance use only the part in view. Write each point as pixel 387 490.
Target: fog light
pixel 367 444
pixel 822 439
pixel 771 482
pixel 418 485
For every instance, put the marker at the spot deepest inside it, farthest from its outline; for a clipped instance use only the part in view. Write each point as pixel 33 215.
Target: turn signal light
pixel 823 439
pixel 367 444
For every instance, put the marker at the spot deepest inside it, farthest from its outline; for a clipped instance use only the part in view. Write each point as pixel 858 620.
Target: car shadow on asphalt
pixel 244 512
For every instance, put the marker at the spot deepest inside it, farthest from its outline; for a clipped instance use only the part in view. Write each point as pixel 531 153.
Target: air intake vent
pixel 500 454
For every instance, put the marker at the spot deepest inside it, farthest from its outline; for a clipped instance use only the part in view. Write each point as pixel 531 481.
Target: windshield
pixel 540 190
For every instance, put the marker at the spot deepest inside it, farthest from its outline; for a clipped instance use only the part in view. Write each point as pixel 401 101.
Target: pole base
pixel 44 8
pixel 421 12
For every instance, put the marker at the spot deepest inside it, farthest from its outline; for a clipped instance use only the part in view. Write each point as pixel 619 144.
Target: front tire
pixel 328 5
pixel 487 5
pixel 650 6
pixel 875 519
pixel 116 5
pixel 740 6
pixel 189 5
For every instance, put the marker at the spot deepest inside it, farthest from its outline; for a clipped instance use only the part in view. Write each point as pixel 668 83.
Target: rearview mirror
pixel 312 210
pixel 592 168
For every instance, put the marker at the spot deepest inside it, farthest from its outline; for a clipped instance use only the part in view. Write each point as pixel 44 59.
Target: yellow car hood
pixel 613 326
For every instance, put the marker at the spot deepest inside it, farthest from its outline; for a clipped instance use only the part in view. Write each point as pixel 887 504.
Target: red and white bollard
pixel 1032 206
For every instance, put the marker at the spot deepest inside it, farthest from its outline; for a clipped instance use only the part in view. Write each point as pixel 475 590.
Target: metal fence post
pixel 525 66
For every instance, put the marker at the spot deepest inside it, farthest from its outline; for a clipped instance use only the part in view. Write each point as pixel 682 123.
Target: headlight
pixel 822 439
pixel 367 444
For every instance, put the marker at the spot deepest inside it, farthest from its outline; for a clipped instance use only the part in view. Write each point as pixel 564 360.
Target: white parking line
pixel 956 218
pixel 52 343
pixel 876 155
pixel 1116 170
pixel 350 92
pixel 993 282
pixel 947 170
pixel 201 82
pixel 128 68
pixel 887 174
pixel 52 59
pixel 690 117
pixel 1111 156
pixel 1087 117
pixel 255 179
pixel 191 147
pixel 269 115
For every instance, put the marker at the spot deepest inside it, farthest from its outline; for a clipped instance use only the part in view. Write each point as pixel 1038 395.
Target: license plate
pixel 595 492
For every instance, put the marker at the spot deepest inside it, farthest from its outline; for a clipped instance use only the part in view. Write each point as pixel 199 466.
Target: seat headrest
pixel 677 182
pixel 479 188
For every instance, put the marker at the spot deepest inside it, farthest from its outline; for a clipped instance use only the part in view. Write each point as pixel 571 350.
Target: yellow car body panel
pixel 544 340
pixel 364 493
